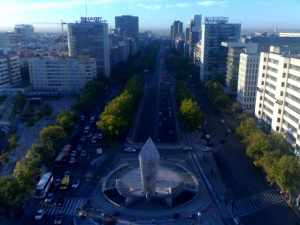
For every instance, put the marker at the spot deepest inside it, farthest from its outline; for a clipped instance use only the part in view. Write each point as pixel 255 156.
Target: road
pixel 244 182
pixel 156 117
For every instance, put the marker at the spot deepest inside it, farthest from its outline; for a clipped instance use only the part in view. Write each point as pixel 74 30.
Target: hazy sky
pixel 153 13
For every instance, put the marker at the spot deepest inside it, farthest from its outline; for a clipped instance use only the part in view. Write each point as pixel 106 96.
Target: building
pixel 4 40
pixel 197 54
pixel 234 49
pixel 24 30
pixel 289 34
pixel 216 30
pixel 89 37
pixel 127 26
pixel 247 79
pixel 61 75
pixel 10 70
pixel 278 94
pixel 177 31
pixel 194 33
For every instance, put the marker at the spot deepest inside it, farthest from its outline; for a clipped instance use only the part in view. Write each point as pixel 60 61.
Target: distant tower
pixel 149 164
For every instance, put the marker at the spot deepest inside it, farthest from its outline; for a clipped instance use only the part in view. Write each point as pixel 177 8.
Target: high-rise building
pixel 4 40
pixel 127 26
pixel 10 70
pixel 89 37
pixel 278 94
pixel 61 75
pixel 194 33
pixel 247 79
pixel 234 50
pixel 213 56
pixel 177 31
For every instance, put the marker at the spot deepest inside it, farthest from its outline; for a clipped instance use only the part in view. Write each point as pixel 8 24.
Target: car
pixel 76 184
pixel 129 149
pixel 57 181
pixel 58 220
pixel 187 148
pixel 40 214
pixel 49 198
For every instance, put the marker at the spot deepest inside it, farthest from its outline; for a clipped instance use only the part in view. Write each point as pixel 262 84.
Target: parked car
pixel 39 214
pixel 76 184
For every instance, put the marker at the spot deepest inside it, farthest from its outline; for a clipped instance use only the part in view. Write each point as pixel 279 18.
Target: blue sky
pixel 154 13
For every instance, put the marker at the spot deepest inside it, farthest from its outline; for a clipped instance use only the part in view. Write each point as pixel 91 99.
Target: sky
pixel 154 14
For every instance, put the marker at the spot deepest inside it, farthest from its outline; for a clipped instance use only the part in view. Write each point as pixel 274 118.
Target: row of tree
pixel 88 99
pixel 272 154
pixel 189 110
pixel 117 115
pixel 14 189
pixel 179 65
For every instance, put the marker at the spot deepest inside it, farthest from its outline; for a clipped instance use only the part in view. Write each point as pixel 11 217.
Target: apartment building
pixel 247 79
pixel 10 70
pixel 278 94
pixel 61 75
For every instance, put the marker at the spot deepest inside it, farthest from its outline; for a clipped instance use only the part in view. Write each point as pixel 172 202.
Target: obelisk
pixel 149 165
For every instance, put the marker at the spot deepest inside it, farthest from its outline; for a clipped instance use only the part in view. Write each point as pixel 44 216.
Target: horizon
pixel 166 11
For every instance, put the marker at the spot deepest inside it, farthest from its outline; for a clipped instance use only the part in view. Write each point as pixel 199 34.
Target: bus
pixel 43 185
pixel 65 182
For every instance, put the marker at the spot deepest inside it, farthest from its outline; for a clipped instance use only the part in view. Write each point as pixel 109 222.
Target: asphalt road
pixel 242 179
pixel 157 118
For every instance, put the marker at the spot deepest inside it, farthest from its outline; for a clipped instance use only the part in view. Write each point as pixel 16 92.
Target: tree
pixel 246 128
pixel 191 114
pixel 288 174
pixel 278 142
pixel 11 193
pixel 50 140
pixel 257 145
pixel 67 120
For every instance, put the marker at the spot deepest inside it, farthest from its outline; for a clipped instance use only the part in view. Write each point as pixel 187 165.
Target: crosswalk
pixel 68 208
pixel 256 202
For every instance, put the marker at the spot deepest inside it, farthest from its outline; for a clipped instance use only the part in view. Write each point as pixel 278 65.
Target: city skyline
pixel 253 15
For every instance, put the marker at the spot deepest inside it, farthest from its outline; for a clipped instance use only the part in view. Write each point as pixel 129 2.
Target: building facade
pixel 89 37
pixel 216 30
pixel 127 26
pixel 10 70
pixel 61 75
pixel 177 31
pixel 234 49
pixel 247 80
pixel 278 94
pixel 194 33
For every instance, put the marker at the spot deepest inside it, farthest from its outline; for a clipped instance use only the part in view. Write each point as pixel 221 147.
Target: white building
pixel 278 95
pixel 247 79
pixel 61 75
pixel 10 71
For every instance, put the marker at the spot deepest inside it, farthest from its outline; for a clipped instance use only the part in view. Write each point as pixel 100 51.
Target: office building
pixel 127 26
pixel 89 37
pixel 10 70
pixel 61 75
pixel 247 79
pixel 194 33
pixel 216 30
pixel 234 49
pixel 177 31
pixel 278 94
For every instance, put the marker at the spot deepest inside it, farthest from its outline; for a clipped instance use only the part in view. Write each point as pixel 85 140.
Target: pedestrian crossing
pixel 68 208
pixel 256 202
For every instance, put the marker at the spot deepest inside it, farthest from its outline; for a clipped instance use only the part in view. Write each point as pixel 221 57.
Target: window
pixel 285 65
pixel 281 93
pixel 279 111
pixel 262 83
pixel 278 120
pixel 283 75
pixel 282 84
pixel 277 128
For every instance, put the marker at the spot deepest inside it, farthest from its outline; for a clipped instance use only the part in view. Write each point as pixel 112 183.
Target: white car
pixel 76 184
pixel 39 214
pixel 129 149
